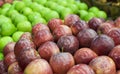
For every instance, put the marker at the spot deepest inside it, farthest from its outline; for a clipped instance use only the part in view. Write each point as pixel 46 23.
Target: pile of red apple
pixel 70 47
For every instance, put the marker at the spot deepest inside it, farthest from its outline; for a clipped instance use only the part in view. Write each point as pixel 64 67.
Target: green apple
pixel 83 6
pixel 52 14
pixel 24 26
pixel 4 19
pixel 1 56
pixel 63 3
pixel 27 2
pixel 93 9
pixel 66 12
pixel 11 12
pixel 51 4
pixel 19 5
pixel 70 1
pixel 19 18
pixel 4 11
pixel 40 1
pixel 13 16
pixel 73 7
pixel 3 41
pixel 59 8
pixel 7 29
pixel 26 11
pixel 89 16
pixel 101 14
pixel 6 5
pixel 82 13
pixel 45 11
pixel 39 20
pixel 17 35
pixel 33 16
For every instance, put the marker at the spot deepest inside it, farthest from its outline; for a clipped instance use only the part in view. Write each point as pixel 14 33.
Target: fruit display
pixel 18 17
pixel 59 48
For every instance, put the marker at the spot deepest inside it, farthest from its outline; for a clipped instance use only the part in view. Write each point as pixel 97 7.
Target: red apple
pixel 78 26
pixel 102 44
pixel 1 2
pixel 48 49
pixel 8 1
pixel 41 37
pixel 71 19
pixel 103 65
pixel 2 67
pixel 118 72
pixel 8 48
pixel 61 62
pixel 14 68
pixel 68 43
pixel 53 23
pixel 114 54
pixel 84 55
pixel 85 37
pixel 9 59
pixel 60 31
pixel 114 33
pixel 39 27
pixel 81 69
pixel 38 66
pixel 117 22
pixel 26 35
pixel 94 23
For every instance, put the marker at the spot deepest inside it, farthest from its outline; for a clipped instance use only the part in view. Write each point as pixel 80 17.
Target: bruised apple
pixel 71 19
pixel 53 23
pixel 103 65
pixel 38 66
pixel 85 37
pixel 79 26
pixel 102 44
pixel 114 54
pixel 84 55
pixel 68 43
pixel 8 48
pixel 39 27
pixel 48 49
pixel 41 37
pixel 60 31
pixel 61 62
pixel 81 69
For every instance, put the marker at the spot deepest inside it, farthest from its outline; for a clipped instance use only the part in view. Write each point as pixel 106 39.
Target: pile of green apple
pixel 21 16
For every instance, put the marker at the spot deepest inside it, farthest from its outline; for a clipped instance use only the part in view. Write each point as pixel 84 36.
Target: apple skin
pixel 114 54
pixel 1 2
pixel 41 37
pixel 105 28
pixel 117 22
pixel 26 35
pixel 102 44
pixel 26 56
pixel 103 65
pixel 61 62
pixel 2 67
pixel 85 37
pixel 71 19
pixel 38 66
pixel 94 23
pixel 23 44
pixel 8 48
pixel 14 68
pixel 53 23
pixel 114 33
pixel 68 43
pixel 60 31
pixel 118 72
pixel 39 27
pixel 48 49
pixel 9 59
pixel 81 69
pixel 78 26
pixel 84 55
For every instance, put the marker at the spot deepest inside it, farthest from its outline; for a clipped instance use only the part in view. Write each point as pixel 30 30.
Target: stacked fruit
pixel 70 47
pixel 20 16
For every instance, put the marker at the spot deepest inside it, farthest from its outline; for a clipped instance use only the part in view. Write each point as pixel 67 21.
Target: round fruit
pixel 16 36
